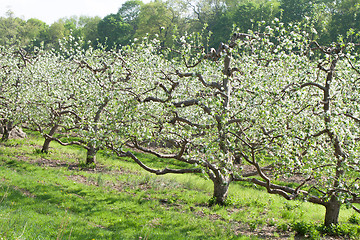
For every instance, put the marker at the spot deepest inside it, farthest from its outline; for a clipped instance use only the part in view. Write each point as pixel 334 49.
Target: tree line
pixel 330 20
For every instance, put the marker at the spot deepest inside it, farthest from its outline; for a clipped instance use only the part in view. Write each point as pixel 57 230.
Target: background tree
pixel 295 11
pixel 206 10
pixel 34 31
pixel 245 15
pixel 157 20
pixel 114 31
pixel 177 17
pixel 11 28
pixel 346 15
pixel 90 29
pixel 55 32
pixel 73 26
pixel 129 12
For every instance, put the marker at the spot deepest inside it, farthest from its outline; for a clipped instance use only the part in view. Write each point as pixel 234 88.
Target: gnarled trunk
pixel 220 194
pixel 5 135
pixel 46 145
pixel 91 154
pixel 332 211
pixel 7 127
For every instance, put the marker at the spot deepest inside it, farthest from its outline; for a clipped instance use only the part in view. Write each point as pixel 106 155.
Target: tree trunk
pixel 220 192
pixel 5 135
pixel 91 154
pixel 332 211
pixel 46 145
pixel 7 127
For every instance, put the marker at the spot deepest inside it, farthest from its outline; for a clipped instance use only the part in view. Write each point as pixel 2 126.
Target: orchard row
pixel 262 106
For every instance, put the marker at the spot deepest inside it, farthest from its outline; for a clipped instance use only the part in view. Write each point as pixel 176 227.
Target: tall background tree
pixel 157 20
pixel 113 31
pixel 11 29
pixel 346 15
pixel 130 11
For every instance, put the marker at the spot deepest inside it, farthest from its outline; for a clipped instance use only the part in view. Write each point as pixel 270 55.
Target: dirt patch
pixel 45 162
pixel 80 179
pixel 264 232
pixel 23 191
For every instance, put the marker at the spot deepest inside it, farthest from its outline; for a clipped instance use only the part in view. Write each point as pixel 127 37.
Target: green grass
pixel 46 196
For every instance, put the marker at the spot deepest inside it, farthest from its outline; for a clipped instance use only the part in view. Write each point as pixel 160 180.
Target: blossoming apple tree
pixel 308 124
pixel 12 63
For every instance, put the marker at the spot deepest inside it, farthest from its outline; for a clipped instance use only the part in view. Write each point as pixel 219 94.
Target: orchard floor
pixel 53 196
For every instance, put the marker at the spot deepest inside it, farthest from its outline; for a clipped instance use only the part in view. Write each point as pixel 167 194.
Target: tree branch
pixel 313 84
pixel 201 79
pixel 250 174
pixel 283 189
pixel 188 122
pixel 352 117
pixel 163 171
pixel 355 208
pixel 192 102
pixel 177 156
pixel 70 112
pixel 79 143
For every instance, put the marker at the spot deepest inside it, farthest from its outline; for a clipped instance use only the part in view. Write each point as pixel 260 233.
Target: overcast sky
pixel 50 11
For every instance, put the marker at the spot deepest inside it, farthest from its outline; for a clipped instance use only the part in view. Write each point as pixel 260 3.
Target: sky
pixel 50 11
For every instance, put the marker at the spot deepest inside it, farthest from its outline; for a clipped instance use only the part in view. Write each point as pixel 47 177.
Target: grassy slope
pixel 49 197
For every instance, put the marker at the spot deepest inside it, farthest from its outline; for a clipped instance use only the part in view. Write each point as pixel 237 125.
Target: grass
pixel 47 196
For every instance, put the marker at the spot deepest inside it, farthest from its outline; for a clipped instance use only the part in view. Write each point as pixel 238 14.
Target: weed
pixel 99 181
pixel 64 223
pixel 229 201
pixel 5 194
pixel 253 225
pixel 145 180
pixel 259 203
pixel 37 151
pixel 354 219
pixel 212 201
pixel 283 227
pixel 306 229
pixel 276 235
pixel 315 231
pixel 344 230
pixel 272 222
pixel 11 142
pixel 83 165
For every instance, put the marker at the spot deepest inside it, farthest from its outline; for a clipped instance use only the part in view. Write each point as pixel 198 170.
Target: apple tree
pixel 12 100
pixel 307 124
pixel 184 108
pixel 94 77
